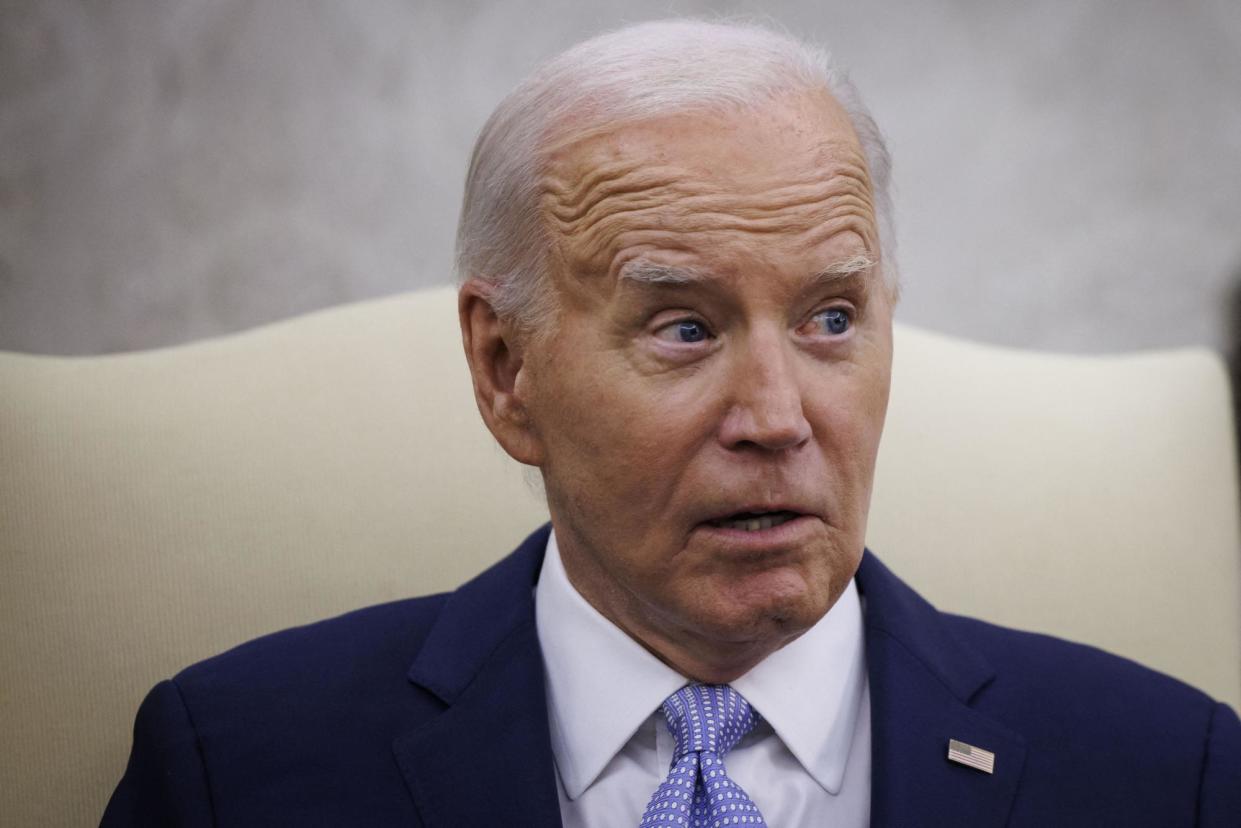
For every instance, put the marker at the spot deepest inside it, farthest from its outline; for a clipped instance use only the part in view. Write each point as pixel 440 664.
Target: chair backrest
pixel 158 507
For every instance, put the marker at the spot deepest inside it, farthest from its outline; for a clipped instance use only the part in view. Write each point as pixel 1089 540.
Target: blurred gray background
pixel 1068 173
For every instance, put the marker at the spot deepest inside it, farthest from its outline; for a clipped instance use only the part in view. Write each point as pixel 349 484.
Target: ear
pixel 493 348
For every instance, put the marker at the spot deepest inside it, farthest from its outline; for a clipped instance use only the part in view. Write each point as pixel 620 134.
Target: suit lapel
pixel 922 680
pixel 487 758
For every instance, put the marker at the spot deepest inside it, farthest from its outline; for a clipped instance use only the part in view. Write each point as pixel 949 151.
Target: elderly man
pixel 676 303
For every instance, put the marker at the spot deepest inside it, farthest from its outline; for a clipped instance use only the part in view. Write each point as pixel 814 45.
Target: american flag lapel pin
pixel 975 757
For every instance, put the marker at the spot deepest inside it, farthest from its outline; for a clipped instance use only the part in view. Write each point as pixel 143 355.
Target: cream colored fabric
pixel 1094 498
pixel 158 507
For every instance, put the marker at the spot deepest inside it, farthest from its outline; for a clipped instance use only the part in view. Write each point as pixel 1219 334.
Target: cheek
pixel 619 439
pixel 848 416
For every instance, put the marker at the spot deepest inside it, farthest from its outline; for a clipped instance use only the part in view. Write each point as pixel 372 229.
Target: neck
pixel 700 658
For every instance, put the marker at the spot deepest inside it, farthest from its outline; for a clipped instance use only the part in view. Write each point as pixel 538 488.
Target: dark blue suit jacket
pixel 431 712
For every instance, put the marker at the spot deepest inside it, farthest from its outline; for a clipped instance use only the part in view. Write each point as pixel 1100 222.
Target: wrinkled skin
pixel 753 379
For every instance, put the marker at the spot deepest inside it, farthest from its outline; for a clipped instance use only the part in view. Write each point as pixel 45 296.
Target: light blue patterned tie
pixel 706 720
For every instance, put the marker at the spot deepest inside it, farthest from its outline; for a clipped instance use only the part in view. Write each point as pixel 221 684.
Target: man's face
pixel 709 402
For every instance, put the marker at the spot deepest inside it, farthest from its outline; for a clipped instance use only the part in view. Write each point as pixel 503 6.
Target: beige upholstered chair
pixel 158 507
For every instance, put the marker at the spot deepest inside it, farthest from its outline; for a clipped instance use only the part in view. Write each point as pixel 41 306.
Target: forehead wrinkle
pixel 791 206
pixel 618 201
pixel 571 202
pixel 846 212
pixel 573 197
pixel 617 198
pixel 847 176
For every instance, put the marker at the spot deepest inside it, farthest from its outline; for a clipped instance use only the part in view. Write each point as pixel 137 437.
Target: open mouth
pixel 753 521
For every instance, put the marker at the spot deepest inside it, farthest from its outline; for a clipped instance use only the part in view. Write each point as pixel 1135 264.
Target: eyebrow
pixel 856 263
pixel 645 272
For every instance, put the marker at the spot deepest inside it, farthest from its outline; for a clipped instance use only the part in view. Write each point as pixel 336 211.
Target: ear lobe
pixel 494 352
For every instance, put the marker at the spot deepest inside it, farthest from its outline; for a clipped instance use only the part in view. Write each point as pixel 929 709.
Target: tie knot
pixel 709 718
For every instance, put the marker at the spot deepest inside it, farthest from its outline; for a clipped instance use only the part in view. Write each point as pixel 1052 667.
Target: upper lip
pixel 730 511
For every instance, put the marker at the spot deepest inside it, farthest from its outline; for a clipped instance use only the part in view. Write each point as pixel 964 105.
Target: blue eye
pixel 684 331
pixel 690 331
pixel 835 321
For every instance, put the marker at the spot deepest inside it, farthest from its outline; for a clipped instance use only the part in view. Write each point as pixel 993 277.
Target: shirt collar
pixel 592 665
pixel 817 726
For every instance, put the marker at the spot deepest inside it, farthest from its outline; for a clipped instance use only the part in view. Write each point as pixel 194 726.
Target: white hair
pixel 632 74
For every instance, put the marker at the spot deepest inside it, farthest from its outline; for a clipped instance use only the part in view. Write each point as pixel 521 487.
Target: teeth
pixel 756 524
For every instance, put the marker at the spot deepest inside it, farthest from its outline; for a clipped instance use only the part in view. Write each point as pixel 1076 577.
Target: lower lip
pixel 786 534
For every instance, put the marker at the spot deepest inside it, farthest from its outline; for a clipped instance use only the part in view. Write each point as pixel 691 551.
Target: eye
pixel 684 331
pixel 831 321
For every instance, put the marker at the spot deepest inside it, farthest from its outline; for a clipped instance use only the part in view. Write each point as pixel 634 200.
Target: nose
pixel 766 396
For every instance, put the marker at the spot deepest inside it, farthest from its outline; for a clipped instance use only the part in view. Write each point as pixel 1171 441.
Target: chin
pixel 779 608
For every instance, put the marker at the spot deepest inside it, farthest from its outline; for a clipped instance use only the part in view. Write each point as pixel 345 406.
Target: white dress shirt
pixel 807 763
